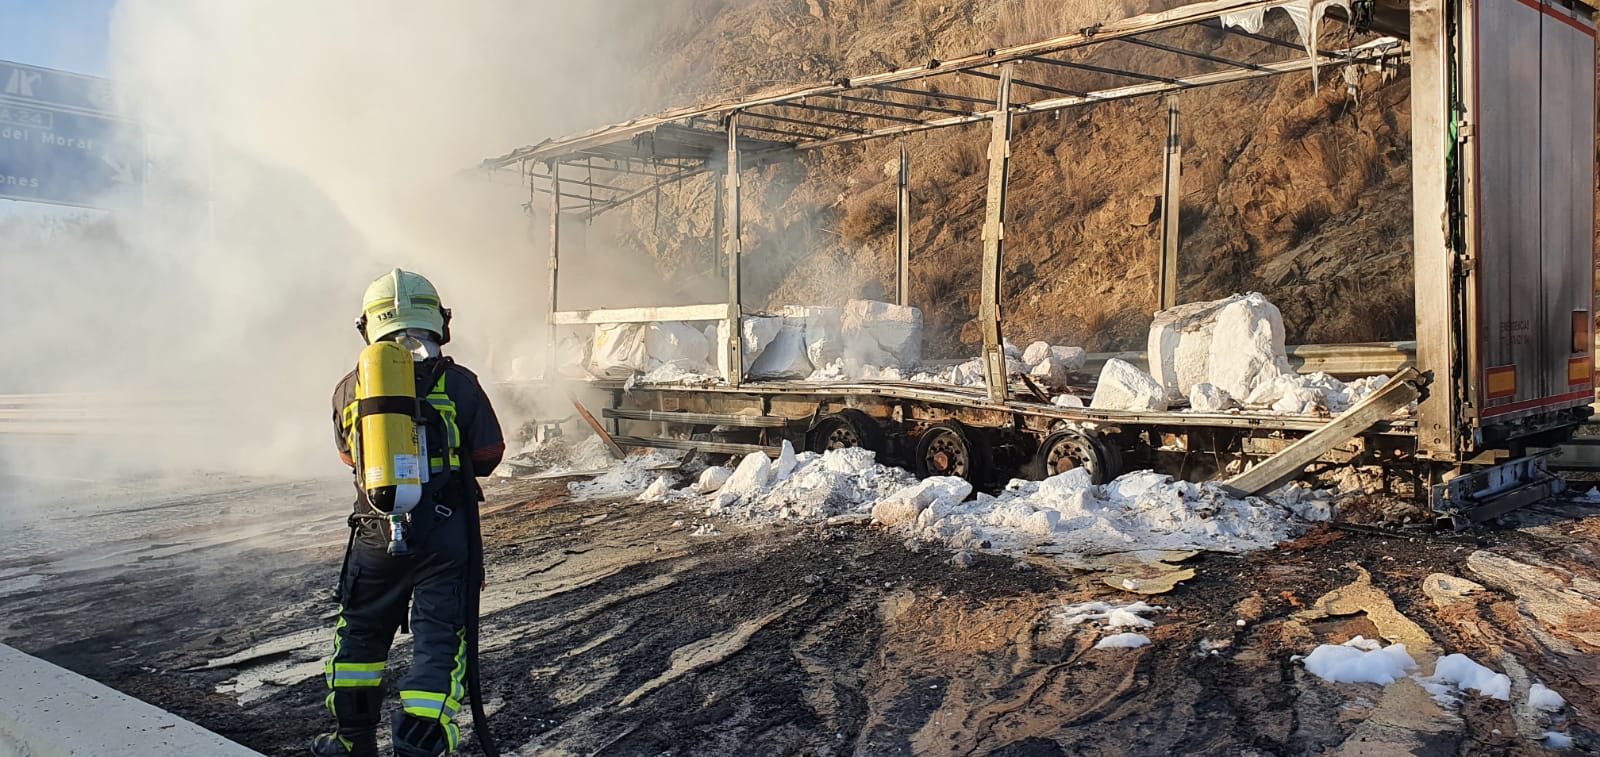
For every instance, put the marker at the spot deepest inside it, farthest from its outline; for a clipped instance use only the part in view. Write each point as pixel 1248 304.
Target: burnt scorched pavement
pixel 610 627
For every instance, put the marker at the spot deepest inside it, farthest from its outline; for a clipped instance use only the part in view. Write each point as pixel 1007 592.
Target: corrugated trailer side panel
pixel 1505 116
pixel 1531 150
pixel 1568 198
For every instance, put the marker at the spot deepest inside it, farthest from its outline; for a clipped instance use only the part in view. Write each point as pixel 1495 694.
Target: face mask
pixel 420 343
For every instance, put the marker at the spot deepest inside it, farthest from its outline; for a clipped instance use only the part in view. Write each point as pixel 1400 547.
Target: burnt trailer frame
pixel 1463 423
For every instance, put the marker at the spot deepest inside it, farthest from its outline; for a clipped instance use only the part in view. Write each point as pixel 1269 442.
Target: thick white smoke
pixel 300 149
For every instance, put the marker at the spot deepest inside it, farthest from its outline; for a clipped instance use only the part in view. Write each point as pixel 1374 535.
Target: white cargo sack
pixel 785 356
pixel 824 334
pixel 678 344
pixel 1124 387
pixel 1071 358
pixel 618 351
pixel 1247 346
pixel 1205 398
pixel 757 331
pixel 1179 346
pixel 882 334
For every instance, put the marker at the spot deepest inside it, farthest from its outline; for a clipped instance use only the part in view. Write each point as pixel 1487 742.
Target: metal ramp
pixel 1489 493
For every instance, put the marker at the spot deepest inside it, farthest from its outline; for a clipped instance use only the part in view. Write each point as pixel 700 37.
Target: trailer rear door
pixel 1529 77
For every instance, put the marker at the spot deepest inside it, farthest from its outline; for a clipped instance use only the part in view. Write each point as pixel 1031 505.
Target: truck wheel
pixel 949 449
pixel 1070 448
pixel 845 429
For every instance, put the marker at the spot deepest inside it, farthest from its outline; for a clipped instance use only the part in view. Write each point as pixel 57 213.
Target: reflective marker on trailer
pixel 1501 382
pixel 1580 370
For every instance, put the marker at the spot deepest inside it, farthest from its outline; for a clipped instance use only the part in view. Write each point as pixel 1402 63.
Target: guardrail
pixel 101 414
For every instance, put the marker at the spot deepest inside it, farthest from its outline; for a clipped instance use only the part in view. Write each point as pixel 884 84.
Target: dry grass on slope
pixel 1301 195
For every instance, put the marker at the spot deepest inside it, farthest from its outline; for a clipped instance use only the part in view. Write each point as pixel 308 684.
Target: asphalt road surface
pixel 616 627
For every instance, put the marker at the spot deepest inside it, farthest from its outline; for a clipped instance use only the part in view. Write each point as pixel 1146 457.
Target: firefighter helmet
pixel 401 300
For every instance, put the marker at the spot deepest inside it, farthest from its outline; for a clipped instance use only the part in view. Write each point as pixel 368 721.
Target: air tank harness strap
pixel 436 411
pixel 379 405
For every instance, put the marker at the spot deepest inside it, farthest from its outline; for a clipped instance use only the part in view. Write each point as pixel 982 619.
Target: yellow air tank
pixel 386 394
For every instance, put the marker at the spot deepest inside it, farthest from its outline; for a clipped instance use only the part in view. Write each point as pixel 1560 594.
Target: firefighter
pixel 462 440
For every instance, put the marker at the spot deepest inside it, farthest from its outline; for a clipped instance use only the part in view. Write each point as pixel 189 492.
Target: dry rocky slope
pixel 1299 194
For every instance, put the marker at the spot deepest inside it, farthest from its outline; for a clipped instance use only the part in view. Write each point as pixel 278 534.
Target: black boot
pixel 415 737
pixel 335 745
pixel 358 713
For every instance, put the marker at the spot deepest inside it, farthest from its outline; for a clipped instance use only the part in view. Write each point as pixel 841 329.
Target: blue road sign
pixel 61 140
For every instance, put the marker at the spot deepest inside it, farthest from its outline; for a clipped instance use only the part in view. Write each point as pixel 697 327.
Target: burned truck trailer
pixel 1503 162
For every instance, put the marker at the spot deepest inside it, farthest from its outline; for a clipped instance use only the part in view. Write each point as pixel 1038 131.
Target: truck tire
pixel 844 429
pixel 950 449
pixel 1070 448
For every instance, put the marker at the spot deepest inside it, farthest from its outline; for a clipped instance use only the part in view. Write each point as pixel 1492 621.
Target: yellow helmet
pixel 401 300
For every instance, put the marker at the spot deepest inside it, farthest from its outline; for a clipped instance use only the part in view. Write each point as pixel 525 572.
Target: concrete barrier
pixel 48 711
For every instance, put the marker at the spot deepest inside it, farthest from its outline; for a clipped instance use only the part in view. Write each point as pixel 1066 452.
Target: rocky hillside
pixel 1301 194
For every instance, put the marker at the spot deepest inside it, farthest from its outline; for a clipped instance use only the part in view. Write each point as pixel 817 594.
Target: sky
pixel 71 35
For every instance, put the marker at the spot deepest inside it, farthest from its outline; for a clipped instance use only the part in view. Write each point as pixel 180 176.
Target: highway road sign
pixel 61 140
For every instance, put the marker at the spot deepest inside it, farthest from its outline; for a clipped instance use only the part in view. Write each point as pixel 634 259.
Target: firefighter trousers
pixel 376 591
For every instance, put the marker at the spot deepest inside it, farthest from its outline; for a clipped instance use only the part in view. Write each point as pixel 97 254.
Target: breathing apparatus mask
pixel 421 343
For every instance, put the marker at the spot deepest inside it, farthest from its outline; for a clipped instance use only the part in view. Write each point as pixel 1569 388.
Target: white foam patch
pixel 933 494
pixel 669 373
pixel 1066 513
pixel 625 478
pixel 711 479
pixel 657 491
pixel 1542 698
pixel 1123 641
pixel 1355 662
pixel 561 454
pixel 1143 510
pixel 1463 674
pixel 1364 644
pixel 844 482
pixel 1109 615
pixel 1557 740
pixel 749 479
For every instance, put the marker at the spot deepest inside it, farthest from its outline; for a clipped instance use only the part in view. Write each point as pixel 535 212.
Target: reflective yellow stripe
pixel 350 428
pixel 442 708
pixel 429 705
pixel 452 430
pixel 457 691
pixel 338 641
pixel 349 675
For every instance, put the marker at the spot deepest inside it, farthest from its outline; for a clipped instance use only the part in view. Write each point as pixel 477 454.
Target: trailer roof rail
pixel 1176 50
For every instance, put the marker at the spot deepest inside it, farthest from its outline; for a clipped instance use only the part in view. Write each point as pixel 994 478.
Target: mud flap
pixel 1489 493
